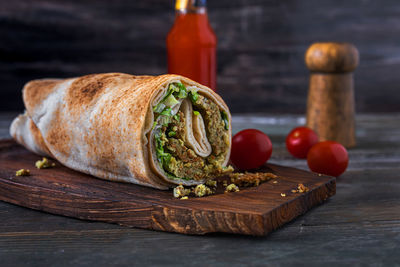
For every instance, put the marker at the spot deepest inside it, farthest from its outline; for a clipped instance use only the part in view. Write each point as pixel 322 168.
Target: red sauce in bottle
pixel 191 44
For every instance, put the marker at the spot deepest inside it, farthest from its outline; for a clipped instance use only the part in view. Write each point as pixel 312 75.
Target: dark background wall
pixel 260 52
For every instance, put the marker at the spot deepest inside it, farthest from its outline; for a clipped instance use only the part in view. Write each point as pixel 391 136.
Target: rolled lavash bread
pixel 156 131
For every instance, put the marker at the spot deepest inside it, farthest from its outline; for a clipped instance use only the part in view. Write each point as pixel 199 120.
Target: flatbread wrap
pixel 156 131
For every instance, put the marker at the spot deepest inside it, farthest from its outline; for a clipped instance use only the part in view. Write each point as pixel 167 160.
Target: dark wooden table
pixel 360 226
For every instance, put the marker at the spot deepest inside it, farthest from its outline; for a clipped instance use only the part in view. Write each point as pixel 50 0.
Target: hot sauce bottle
pixel 191 43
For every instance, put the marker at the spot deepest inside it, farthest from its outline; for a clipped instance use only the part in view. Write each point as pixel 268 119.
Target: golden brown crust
pixel 58 137
pixel 36 91
pixel 38 137
pixel 89 88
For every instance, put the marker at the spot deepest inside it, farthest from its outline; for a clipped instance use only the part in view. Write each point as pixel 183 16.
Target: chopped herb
pixel 163 157
pixel 193 95
pixel 177 117
pixel 173 177
pixel 173 87
pixel 170 101
pixel 181 86
pixel 182 91
pixel 165 120
pixel 167 112
pixel 196 113
pixel 165 116
pixel 224 117
pixel 158 108
pixel 171 134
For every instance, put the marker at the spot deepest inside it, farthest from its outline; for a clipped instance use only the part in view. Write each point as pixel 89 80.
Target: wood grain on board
pixel 252 211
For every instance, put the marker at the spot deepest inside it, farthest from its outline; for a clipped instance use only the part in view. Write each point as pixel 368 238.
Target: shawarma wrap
pixel 156 131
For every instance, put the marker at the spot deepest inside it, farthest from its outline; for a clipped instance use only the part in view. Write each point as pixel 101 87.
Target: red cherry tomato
pixel 328 157
pixel 251 148
pixel 300 140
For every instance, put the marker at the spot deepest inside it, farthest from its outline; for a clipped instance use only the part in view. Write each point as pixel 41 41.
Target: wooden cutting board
pixel 252 211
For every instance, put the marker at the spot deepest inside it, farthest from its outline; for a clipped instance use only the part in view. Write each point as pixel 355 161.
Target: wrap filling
pixel 175 153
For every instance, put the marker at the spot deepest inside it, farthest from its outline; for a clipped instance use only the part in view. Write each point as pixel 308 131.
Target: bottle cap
pixel 181 4
pixel 190 4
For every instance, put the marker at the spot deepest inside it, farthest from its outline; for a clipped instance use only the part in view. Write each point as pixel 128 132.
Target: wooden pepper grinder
pixel 330 104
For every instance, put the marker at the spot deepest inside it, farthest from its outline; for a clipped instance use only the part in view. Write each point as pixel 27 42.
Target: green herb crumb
pixel 22 172
pixel 44 164
pixel 232 188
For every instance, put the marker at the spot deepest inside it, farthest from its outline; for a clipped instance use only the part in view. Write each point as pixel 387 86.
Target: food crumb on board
pixel 180 191
pixel 248 179
pixel 283 195
pixel 44 164
pixel 237 180
pixel 22 172
pixel 302 188
pixel 232 188
pixel 200 190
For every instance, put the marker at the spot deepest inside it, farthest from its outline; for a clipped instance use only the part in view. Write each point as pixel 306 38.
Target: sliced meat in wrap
pixel 156 131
